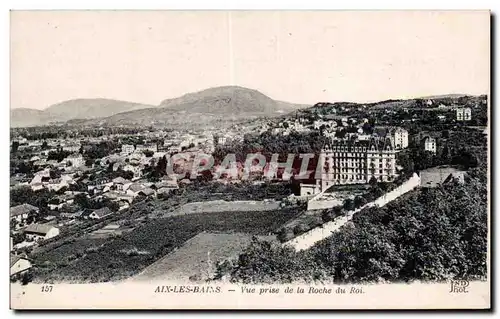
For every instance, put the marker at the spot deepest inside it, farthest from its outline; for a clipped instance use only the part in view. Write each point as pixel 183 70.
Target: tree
pixel 282 235
pixel 57 155
pixel 368 128
pixel 114 206
pixel 15 146
pixel 54 173
pixel 45 145
pixel 161 166
pixel 265 262
pixel 24 168
pixel 348 204
pixel 359 201
pixel 337 211
pixel 445 156
pixel 148 153
pixel 124 174
pixel 26 278
pixel 18 237
pixel 299 229
pixel 89 162
pixel 82 201
pixel 465 159
pixel 326 215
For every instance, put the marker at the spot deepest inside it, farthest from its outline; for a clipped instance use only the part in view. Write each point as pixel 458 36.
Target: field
pixel 126 255
pixel 62 256
pixel 197 258
pixel 224 206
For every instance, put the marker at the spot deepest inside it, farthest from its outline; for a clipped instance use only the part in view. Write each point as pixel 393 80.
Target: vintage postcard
pixel 250 160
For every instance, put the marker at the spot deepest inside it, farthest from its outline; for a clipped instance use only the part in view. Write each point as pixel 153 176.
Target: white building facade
pixel 464 114
pixel 400 137
pixel 430 144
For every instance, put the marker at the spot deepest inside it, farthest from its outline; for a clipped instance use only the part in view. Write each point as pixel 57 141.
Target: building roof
pixel 136 187
pixel 373 144
pixel 147 191
pixel 167 184
pixel 22 209
pixel 101 212
pixel 39 229
pixel 429 138
pixel 111 226
pixel 15 258
pixel 120 180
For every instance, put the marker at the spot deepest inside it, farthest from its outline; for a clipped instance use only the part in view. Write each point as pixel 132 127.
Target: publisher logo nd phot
pixel 459 286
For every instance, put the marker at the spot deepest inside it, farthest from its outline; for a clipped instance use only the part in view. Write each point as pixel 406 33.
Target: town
pixel 105 203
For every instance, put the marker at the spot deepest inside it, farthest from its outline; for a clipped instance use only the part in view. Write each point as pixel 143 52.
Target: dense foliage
pixel 428 234
pixel 25 195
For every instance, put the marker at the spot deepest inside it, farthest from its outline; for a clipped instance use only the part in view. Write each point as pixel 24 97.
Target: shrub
pixel 348 204
pixel 299 229
pixel 327 215
pixel 359 201
pixel 26 278
pixel 282 235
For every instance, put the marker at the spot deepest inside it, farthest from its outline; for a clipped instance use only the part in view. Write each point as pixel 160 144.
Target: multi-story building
pixel 221 140
pixel 400 137
pixel 464 114
pixel 356 162
pixel 152 147
pixel 127 149
pixel 430 144
pixel 75 160
pixel 71 146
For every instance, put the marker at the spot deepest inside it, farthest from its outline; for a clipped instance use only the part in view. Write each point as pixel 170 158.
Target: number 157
pixel 47 288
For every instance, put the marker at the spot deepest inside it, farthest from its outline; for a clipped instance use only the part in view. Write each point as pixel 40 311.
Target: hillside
pixel 214 106
pixel 27 117
pixel 70 110
pixel 91 108
pixel 228 100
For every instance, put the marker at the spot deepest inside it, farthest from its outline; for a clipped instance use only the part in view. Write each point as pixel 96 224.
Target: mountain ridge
pixel 232 102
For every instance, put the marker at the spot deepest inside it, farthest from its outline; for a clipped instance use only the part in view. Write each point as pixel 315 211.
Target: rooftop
pixel 41 229
pixel 22 209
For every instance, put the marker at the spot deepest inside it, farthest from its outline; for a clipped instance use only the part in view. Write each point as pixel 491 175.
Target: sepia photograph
pixel 250 159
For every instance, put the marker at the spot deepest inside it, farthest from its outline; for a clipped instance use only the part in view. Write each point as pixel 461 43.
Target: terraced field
pixel 197 258
pixel 127 255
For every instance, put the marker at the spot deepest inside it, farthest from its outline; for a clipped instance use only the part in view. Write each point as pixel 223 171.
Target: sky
pixel 294 56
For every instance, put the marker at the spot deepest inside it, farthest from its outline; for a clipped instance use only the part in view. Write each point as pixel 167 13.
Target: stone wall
pixel 308 239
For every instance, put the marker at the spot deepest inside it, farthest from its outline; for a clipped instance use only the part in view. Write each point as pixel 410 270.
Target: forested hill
pixel 429 234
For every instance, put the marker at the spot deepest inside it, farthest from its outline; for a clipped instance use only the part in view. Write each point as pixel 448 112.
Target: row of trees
pixel 73 131
pixel 24 195
pixel 58 155
pixel 374 191
pixel 86 203
pixel 268 144
pixel 97 151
